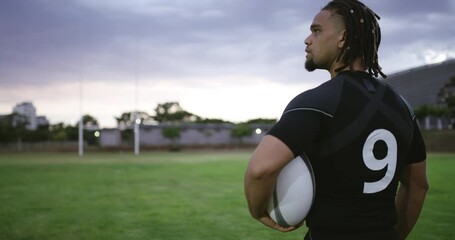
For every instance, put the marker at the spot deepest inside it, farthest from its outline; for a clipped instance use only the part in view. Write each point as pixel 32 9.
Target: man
pixel 361 137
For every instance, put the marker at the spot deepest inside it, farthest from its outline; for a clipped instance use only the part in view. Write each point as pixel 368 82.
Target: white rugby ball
pixel 293 194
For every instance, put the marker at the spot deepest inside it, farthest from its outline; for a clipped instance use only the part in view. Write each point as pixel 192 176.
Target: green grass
pixel 438 215
pixel 160 195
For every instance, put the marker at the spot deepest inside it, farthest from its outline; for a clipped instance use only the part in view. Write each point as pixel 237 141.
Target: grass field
pixel 160 195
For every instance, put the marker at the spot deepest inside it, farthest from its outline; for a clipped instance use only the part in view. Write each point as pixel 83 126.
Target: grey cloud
pixel 49 41
pixel 56 38
pixel 404 8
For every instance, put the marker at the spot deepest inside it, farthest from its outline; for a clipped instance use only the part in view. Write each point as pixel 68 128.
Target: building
pixel 28 111
pixel 421 85
pixel 191 135
pixel 110 138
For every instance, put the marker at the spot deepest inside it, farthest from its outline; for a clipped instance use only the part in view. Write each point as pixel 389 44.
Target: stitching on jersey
pixel 310 109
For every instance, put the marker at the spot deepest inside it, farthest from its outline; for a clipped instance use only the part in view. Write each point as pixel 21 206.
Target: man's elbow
pixel 255 214
pixel 418 178
pixel 259 172
pixel 420 187
pixel 424 186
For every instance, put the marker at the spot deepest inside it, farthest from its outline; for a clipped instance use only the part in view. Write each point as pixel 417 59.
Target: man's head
pixel 345 31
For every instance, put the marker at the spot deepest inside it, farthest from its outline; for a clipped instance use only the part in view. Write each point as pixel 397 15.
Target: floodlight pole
pixel 81 137
pixel 137 120
pixel 81 122
pixel 136 135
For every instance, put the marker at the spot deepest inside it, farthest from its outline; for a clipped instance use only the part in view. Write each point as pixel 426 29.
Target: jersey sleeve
pixel 297 129
pixel 417 151
pixel 301 123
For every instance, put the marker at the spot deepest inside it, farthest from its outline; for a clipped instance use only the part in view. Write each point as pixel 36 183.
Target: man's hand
pixel 268 221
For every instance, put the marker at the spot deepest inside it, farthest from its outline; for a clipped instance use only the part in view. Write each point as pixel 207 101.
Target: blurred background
pixel 113 63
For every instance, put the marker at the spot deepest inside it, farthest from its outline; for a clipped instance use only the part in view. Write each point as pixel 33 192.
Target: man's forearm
pixel 402 206
pixel 263 168
pixel 258 190
pixel 409 205
pixel 410 199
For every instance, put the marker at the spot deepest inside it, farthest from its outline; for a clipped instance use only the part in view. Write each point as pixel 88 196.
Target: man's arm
pixel 270 156
pixel 410 197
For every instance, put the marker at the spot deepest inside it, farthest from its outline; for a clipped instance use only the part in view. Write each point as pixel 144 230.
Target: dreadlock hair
pixel 363 34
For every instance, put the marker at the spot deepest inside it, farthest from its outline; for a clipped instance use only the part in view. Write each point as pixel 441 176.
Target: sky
pixel 228 59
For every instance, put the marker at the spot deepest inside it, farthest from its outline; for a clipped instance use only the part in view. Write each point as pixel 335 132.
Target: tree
pixel 42 133
pixel 90 125
pixel 128 119
pixel 72 132
pixel 211 120
pixel 262 121
pixel 88 121
pixel 172 112
pixel 429 110
pixel 58 132
pixel 447 96
pixel 172 133
pixel 241 130
pixel 12 128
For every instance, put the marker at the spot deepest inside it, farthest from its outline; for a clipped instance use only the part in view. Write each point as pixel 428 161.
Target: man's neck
pixel 357 65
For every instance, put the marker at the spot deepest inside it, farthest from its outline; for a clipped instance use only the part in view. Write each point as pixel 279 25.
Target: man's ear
pixel 342 39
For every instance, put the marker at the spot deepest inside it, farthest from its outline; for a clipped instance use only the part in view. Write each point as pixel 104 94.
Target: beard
pixel 310 65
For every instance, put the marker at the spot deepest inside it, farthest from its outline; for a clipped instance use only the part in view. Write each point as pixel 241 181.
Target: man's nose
pixel 307 41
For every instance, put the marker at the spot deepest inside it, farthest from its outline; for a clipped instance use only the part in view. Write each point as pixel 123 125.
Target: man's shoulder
pixel 324 97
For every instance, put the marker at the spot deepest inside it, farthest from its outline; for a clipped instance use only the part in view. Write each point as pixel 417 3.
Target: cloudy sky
pixel 229 59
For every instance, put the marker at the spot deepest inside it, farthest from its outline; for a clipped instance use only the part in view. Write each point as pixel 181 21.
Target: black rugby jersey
pixel 358 134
